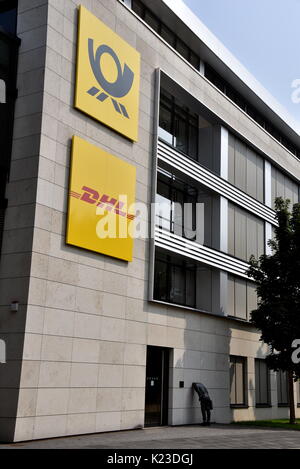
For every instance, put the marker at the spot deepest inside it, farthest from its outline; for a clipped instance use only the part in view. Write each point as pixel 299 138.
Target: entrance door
pixel 157 380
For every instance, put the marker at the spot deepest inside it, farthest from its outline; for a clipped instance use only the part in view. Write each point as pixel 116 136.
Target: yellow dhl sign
pixel 102 190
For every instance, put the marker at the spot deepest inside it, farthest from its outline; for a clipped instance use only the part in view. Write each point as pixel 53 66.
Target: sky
pixel 264 35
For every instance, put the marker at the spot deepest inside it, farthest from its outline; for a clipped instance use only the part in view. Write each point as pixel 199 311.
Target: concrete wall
pixel 86 317
pixel 22 214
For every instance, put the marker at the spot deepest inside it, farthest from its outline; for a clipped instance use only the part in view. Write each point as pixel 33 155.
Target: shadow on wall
pixel 10 371
pixel 268 407
pixel 202 357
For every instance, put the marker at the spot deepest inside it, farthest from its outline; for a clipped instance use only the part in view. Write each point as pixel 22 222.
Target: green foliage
pixel 278 288
pixel 274 423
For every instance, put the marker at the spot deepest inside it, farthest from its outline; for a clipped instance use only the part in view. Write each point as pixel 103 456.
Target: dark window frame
pixel 8 73
pixel 258 218
pixel 171 263
pixel 280 386
pixel 213 76
pixel 190 119
pixel 233 360
pixel 173 190
pixel 142 11
pixel 5 7
pixel 258 362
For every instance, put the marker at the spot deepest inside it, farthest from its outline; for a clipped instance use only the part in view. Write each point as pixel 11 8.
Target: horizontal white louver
pixel 212 181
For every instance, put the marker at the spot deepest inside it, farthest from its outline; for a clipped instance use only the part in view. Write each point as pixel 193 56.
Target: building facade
pixel 112 338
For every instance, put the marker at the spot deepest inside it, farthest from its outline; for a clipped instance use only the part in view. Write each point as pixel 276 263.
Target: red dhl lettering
pixel 104 201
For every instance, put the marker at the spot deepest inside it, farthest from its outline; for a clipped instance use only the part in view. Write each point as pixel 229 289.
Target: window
pixel 2 91
pixel 171 38
pixel 215 78
pixel 8 16
pixel 3 204
pixel 242 297
pixel 243 104
pixel 175 280
pixel 168 35
pixel 178 126
pixel 152 20
pixel 245 233
pixel 283 186
pixel 138 8
pixel 183 49
pixel 262 383
pixel 182 281
pixel 238 381
pixel 177 201
pixel 184 210
pixel 282 388
pixel 245 169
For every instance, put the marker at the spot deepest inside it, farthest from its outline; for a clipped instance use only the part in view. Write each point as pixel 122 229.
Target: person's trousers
pixel 205 413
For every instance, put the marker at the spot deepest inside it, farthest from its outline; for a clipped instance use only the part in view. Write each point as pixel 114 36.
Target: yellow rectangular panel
pixel 107 77
pixel 101 198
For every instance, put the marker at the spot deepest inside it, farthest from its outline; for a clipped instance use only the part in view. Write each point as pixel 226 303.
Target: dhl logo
pixel 110 204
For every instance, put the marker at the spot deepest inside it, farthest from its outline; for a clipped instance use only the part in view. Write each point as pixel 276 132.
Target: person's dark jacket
pixel 203 395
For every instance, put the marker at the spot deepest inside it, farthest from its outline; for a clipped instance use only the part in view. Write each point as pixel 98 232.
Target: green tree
pixel 277 277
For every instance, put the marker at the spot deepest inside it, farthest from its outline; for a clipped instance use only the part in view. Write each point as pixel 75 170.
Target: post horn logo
pixel 117 89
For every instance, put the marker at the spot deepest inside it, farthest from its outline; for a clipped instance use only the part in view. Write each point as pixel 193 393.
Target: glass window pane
pixel 181 134
pixel 193 142
pixel 204 288
pixel 2 92
pixel 260 179
pixel 240 241
pixel 152 20
pixel 177 294
pixel 160 281
pixel 231 295
pixel 280 186
pixel 245 233
pixel 8 18
pixel 231 159
pixel 240 298
pixel 177 213
pixel 165 124
pixel 251 173
pixel 240 165
pixel 195 60
pixel 232 383
pixel 260 237
pixel 282 388
pixel 264 383
pixel 182 49
pixel 168 35
pixel 190 288
pixel 163 213
pixel 182 281
pixel 245 168
pixel 291 190
pixel 138 8
pixel 5 54
pixel 251 298
pixel 257 382
pixel 252 247
pixel 189 219
pixel 239 382
pixel 231 229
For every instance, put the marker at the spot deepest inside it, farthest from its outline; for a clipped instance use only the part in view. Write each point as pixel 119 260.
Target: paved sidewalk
pixel 186 437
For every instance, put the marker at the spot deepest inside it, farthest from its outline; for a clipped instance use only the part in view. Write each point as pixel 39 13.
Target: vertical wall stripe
pixel 268 184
